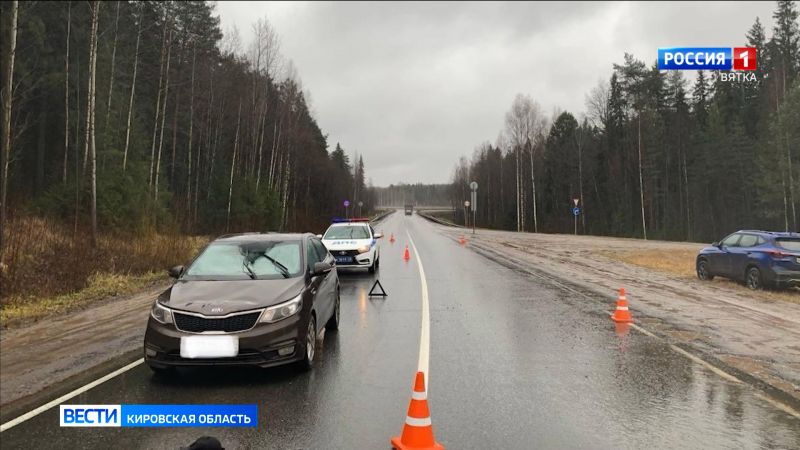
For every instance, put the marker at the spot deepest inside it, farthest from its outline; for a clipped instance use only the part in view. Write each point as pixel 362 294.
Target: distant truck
pixel 409 210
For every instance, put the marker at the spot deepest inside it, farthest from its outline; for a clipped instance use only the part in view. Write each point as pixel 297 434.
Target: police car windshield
pixel 347 232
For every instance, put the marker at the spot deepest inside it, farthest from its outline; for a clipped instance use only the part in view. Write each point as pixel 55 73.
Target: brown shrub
pixel 46 258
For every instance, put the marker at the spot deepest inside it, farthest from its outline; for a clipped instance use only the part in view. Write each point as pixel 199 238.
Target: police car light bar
pixel 356 219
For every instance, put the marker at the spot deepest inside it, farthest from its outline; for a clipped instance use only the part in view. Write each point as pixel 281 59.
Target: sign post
pixel 474 195
pixel 576 211
pixel 346 205
pixel 466 213
pixel 360 204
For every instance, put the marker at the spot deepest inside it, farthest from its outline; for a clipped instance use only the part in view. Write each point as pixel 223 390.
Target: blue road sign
pixel 576 211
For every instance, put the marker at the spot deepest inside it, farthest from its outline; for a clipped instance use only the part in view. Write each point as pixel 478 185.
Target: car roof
pixel 260 237
pixel 772 233
pixel 349 224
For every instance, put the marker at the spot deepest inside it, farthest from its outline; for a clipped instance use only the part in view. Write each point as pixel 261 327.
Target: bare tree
pixel 133 90
pixel 524 123
pixel 597 105
pixel 163 115
pixel 191 132
pixel 641 176
pixel 66 94
pixel 233 167
pixel 90 114
pixel 113 61
pixel 264 58
pixel 158 97
pixel 9 47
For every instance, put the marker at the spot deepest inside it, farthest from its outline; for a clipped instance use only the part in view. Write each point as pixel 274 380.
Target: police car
pixel 353 243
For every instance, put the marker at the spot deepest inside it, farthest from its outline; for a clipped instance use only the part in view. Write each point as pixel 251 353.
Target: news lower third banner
pixel 158 415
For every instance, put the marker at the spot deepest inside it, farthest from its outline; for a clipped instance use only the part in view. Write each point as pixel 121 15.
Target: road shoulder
pixel 37 356
pixel 757 340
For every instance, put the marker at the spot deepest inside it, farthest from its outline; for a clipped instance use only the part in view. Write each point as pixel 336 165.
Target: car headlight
pixel 161 313
pixel 282 311
pixel 363 249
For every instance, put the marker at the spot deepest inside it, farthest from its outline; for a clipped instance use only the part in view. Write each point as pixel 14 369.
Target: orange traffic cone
pixel 461 240
pixel 622 314
pixel 391 238
pixel 417 432
pixel 406 254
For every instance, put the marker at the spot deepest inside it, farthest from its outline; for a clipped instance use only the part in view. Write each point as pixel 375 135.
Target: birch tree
pixel 112 73
pixel 133 90
pixel 9 47
pixel 90 115
pixel 66 94
pixel 233 167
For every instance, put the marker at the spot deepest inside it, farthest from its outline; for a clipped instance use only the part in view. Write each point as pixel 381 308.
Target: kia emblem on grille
pixel 342 253
pixel 216 309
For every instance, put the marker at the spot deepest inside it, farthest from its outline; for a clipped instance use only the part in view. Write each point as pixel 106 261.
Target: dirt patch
pixel 680 262
pixel 102 287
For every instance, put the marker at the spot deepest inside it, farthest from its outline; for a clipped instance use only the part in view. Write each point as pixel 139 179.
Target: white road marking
pixel 31 414
pixel 425 325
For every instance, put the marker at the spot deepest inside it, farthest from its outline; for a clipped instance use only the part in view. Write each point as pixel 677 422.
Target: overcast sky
pixel 413 86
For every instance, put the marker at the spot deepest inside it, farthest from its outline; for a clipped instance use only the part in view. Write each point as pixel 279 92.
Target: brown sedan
pixel 247 299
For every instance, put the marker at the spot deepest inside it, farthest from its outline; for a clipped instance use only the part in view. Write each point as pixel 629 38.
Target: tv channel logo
pixel 159 415
pixel 707 58
pixel 90 415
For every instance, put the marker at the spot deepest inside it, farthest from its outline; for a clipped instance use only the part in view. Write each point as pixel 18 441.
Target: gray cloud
pixel 413 86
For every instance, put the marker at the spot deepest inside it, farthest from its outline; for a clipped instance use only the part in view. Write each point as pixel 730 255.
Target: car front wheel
pixel 753 279
pixel 311 346
pixel 333 322
pixel 703 271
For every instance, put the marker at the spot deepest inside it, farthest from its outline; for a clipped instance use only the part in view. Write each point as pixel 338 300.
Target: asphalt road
pixel 515 362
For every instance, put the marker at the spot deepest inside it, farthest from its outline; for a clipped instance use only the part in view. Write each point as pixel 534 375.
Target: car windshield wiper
pixel 281 267
pixel 250 271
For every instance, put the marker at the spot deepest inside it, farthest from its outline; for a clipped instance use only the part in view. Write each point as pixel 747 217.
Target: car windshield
pixel 347 232
pixel 789 243
pixel 247 260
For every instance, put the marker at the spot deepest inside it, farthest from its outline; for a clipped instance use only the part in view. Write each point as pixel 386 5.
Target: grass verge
pixel 101 286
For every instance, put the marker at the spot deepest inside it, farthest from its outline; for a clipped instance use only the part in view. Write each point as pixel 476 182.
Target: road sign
pixel 346 203
pixel 474 196
pixel 576 211
pixel 576 200
pixel 466 203
pixel 360 203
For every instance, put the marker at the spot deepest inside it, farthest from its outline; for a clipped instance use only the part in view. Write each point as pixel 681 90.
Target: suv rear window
pixel 789 243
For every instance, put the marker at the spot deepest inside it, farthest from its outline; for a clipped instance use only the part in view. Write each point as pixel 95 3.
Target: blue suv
pixel 757 258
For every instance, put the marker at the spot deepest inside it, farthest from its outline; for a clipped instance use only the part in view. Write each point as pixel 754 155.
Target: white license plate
pixel 209 346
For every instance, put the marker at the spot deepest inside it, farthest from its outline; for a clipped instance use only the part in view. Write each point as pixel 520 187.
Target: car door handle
pixel 313 291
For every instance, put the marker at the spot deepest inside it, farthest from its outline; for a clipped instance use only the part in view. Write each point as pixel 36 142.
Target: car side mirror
pixel 378 235
pixel 717 244
pixel 176 272
pixel 321 268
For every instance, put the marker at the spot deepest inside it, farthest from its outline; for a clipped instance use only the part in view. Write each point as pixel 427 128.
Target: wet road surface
pixel 514 363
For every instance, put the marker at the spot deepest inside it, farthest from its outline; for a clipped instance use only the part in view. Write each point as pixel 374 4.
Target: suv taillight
pixel 780 256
